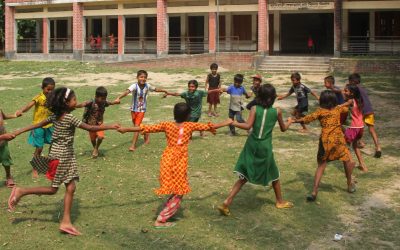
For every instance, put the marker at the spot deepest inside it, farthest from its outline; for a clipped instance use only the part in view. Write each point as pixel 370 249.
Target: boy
pixel 5 158
pixel 301 92
pixel 213 81
pixel 40 136
pixel 257 80
pixel 236 90
pixel 368 113
pixel 94 115
pixel 139 92
pixel 194 98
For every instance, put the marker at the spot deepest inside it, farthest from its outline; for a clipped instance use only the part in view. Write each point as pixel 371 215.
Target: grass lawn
pixel 115 207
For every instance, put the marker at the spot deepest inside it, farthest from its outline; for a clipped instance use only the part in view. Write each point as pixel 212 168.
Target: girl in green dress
pixel 256 162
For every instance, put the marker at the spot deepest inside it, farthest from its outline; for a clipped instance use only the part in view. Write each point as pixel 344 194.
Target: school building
pixel 155 28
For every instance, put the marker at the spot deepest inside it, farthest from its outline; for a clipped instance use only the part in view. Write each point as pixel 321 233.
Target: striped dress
pixel 256 162
pixel 62 149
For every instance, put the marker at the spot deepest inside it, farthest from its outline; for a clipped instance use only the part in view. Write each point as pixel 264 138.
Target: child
pixel 236 90
pixel 194 98
pixel 368 113
pixel 354 132
pixel 5 158
pixel 93 115
pixel 174 161
pixel 332 145
pixel 329 83
pixel 61 164
pixel 41 135
pixel 257 80
pixel 301 92
pixel 213 81
pixel 139 92
pixel 256 162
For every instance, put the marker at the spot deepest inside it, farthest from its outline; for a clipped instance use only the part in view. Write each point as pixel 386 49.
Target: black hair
pixel 328 99
pixel 101 92
pixel 238 78
pixel 57 103
pixel 355 91
pixel 141 72
pixel 330 79
pixel 194 82
pixel 296 76
pixel 181 112
pixel 213 66
pixel 266 95
pixel 48 81
pixel 355 78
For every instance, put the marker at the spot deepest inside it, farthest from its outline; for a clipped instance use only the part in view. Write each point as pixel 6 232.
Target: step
pixel 294 64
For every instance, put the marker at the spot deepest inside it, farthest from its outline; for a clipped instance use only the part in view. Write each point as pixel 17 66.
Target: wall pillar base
pixel 9 55
pixel 77 55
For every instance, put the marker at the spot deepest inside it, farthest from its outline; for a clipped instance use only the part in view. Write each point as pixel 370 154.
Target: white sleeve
pixel 132 88
pixel 151 88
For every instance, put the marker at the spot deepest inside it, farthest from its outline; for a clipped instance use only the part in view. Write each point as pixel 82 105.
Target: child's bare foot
pixel 159 224
pixel 224 209
pixel 351 188
pixel 132 148
pixel 363 168
pixel 14 198
pixel 35 174
pixel 360 144
pixel 146 141
pixel 284 204
pixel 69 229
pixel 95 153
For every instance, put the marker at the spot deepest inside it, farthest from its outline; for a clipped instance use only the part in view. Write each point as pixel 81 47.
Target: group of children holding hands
pixel 54 124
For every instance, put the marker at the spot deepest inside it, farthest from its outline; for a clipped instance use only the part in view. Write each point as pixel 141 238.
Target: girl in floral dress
pixel 174 161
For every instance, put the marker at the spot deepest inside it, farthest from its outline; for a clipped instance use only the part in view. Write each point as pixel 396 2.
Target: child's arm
pixel 123 130
pixel 249 122
pixel 93 128
pixel 82 105
pixel 309 118
pixel 160 90
pixel 31 127
pixel 315 94
pixel 206 85
pixel 7 137
pixel 283 126
pixel 171 94
pixel 281 97
pixel 9 116
pixel 222 124
pixel 125 93
pixel 214 90
pixel 348 103
pixel 25 109
pixel 113 102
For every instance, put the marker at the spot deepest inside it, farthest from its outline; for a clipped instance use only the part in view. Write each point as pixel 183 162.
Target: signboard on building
pixel 301 6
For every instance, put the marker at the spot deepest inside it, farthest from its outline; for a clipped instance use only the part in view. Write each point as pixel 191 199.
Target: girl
pixel 332 145
pixel 174 161
pixel 61 164
pixel 354 132
pixel 256 162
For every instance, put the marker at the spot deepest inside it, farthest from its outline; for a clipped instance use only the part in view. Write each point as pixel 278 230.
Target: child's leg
pixel 98 141
pixel 21 192
pixel 232 116
pixel 318 175
pixel 280 203
pixel 134 140
pixel 372 132
pixel 298 115
pixel 348 170
pixel 209 109
pixel 7 169
pixel 215 109
pixel 68 199
pixel 357 150
pixel 169 210
pixel 235 190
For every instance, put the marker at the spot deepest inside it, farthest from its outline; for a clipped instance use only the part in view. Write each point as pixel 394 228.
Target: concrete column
pixel 228 30
pixel 372 30
pixel 337 27
pixel 10 32
pixel 162 28
pixel 253 28
pixel 55 28
pixel 104 32
pixel 277 31
pixel 212 32
pixel 183 31
pixel 45 35
pixel 345 29
pixel 121 37
pixel 78 29
pixel 263 27
pixel 142 26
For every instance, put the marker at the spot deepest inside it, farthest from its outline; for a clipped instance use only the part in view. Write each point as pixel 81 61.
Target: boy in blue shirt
pixel 236 91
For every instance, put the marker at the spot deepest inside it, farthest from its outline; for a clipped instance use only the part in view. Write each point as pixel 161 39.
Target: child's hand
pixel 8 136
pixel 122 130
pixel 115 126
pixel 280 98
pixel 18 113
pixel 117 101
pixel 165 95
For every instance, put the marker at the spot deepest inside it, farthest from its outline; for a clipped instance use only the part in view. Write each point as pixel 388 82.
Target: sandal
pixel 224 210
pixel 311 198
pixel 286 204
pixel 378 154
pixel 10 183
pixel 165 225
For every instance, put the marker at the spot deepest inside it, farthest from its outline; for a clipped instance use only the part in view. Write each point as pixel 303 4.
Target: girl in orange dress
pixel 174 161
pixel 332 145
